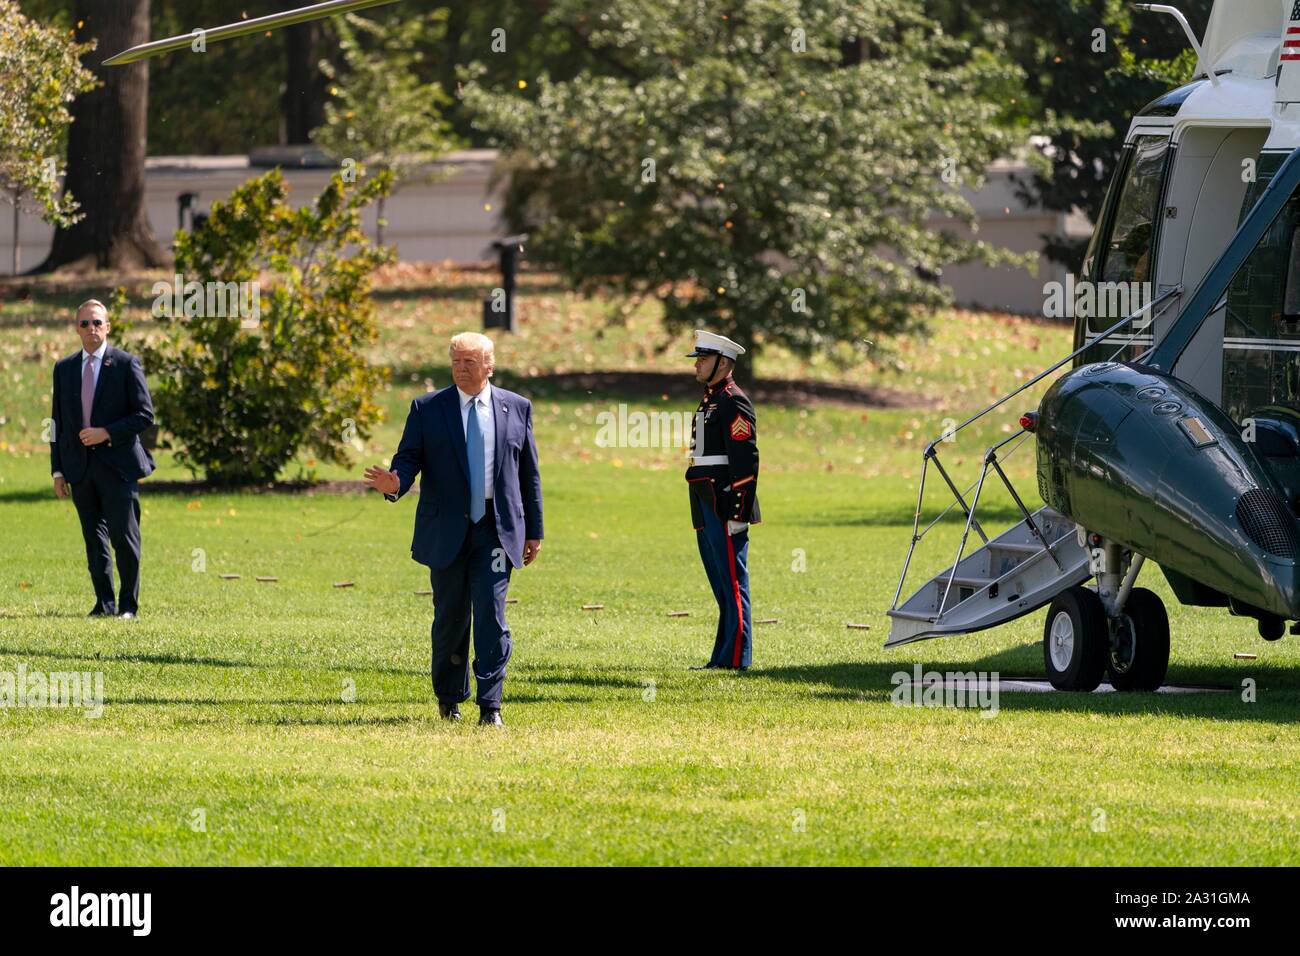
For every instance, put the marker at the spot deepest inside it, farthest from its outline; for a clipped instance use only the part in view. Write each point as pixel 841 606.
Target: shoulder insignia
pixel 740 428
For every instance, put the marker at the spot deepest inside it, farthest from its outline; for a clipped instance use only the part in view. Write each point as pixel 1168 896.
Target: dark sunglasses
pixel 86 323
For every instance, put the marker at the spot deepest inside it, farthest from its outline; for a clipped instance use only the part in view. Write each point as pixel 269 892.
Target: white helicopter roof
pixel 1242 49
pixel 1244 36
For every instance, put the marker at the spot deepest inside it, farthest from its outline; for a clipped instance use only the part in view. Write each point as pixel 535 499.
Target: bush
pixel 240 391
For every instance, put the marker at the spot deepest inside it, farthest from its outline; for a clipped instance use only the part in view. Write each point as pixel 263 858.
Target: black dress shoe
pixel 449 712
pixel 705 667
pixel 98 611
pixel 490 718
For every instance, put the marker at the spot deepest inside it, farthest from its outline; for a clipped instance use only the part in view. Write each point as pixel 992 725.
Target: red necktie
pixel 87 390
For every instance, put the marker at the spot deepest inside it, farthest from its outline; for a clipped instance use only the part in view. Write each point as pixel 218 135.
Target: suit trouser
pixel 472 589
pixel 109 508
pixel 726 561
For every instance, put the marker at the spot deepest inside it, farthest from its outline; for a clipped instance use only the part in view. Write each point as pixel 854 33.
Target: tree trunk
pixel 746 372
pixel 106 149
pixel 302 105
pixel 17 216
pixel 457 22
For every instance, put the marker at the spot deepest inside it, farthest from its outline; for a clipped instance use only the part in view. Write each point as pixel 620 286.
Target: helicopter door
pixel 1207 185
pixel 1119 263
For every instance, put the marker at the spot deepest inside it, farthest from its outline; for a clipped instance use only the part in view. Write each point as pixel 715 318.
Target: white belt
pixel 710 460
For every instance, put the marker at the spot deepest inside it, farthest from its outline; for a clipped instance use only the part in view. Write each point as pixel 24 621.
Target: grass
pixel 230 697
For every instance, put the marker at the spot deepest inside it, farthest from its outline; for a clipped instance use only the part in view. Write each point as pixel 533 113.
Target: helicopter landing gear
pixel 1138 656
pixel 1075 640
pixel 1116 630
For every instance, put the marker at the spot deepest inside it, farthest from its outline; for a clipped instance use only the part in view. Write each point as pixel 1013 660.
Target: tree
pixel 303 99
pixel 733 164
pixel 39 76
pixel 106 149
pixel 381 115
pixel 227 99
pixel 1090 65
pixel 242 390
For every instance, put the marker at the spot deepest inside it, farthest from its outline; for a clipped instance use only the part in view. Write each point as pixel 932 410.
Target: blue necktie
pixel 474 450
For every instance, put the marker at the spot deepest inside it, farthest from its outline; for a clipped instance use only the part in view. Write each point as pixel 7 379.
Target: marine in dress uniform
pixel 723 483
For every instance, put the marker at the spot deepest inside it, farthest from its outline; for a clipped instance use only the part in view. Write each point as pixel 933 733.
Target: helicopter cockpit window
pixel 1128 250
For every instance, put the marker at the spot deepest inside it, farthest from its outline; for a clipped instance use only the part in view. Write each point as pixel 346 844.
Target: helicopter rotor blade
pixel 242 28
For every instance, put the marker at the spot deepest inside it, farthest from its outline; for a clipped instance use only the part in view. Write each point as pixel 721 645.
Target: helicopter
pixel 1174 436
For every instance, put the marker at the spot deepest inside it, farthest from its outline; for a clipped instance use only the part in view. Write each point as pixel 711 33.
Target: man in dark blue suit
pixel 101 405
pixel 479 517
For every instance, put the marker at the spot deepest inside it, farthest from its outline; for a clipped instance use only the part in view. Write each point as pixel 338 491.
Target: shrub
pixel 240 391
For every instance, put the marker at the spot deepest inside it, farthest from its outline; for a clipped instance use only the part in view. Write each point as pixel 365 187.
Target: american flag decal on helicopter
pixel 1291 42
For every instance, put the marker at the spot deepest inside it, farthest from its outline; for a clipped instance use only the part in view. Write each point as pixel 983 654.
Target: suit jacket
pixel 729 432
pixel 433 446
pixel 121 404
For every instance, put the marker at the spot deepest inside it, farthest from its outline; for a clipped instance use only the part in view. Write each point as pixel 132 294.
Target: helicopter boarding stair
pixel 1012 574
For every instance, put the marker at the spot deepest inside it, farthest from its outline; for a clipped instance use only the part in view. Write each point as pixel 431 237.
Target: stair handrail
pixel 931 454
pixel 1167 295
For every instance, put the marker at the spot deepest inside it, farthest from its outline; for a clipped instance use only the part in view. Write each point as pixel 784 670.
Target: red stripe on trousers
pixel 740 613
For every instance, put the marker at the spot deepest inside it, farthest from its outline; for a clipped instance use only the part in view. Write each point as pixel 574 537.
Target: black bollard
pixel 499 311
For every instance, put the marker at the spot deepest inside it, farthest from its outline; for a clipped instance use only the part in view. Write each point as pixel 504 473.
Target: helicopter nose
pixel 1143 459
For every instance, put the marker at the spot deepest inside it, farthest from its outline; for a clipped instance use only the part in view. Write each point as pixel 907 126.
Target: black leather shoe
pixel 705 667
pixel 490 718
pixel 449 712
pixel 98 611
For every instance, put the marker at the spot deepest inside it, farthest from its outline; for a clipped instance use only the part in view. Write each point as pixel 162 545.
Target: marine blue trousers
pixel 726 562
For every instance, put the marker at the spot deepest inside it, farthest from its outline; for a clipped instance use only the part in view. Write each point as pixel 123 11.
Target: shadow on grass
pixel 344 722
pixel 650 387
pixel 993 518
pixel 28 496
pixel 258 702
pixel 153 486
pixel 130 657
pixel 864 682
pixel 473 291
pixel 125 657
pixel 582 680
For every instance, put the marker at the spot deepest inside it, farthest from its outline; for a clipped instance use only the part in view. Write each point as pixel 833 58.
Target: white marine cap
pixel 708 343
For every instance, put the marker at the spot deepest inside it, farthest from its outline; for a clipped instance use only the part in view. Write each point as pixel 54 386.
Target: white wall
pixel 455 219
pixel 450 219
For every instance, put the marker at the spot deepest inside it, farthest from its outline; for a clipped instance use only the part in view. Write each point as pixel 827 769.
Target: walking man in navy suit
pixel 101 405
pixel 479 517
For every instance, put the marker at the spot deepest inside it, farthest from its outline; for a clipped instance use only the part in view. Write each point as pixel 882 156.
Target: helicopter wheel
pixel 1075 640
pixel 1138 652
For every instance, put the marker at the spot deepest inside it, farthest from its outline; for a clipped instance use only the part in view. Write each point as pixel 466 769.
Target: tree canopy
pixel 743 164
pixel 40 75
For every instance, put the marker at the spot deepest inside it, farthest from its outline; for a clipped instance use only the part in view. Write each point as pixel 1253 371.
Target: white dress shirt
pixel 487 426
pixel 96 360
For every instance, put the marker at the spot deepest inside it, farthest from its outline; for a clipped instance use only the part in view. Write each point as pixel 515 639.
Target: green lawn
pixel 232 696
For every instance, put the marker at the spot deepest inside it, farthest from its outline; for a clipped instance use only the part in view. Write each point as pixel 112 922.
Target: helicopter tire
pixel 1075 640
pixel 1137 655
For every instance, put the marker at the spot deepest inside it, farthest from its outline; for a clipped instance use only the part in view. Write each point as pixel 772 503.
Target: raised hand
pixel 382 480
